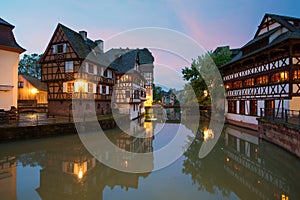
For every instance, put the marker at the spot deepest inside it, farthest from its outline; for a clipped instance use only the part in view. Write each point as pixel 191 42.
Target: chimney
pixel 83 35
pixel 100 45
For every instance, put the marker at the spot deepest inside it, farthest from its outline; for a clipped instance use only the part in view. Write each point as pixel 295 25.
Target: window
pixel 253 107
pixel 231 106
pixel 90 87
pixel 280 76
pixel 89 68
pixel 242 107
pixel 238 84
pixel 70 87
pixel 127 94
pixel 20 84
pixel 100 89
pixel 103 89
pixel 109 74
pixel 228 86
pixel 261 80
pixel 249 82
pixel 69 66
pixel 95 69
pixel 296 75
pixel 107 89
pixel 148 75
pixel 59 48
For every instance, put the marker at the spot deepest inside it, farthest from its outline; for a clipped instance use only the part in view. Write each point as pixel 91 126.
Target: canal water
pixel 240 166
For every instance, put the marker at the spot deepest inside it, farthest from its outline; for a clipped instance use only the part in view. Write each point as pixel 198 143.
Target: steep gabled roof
pixel 126 62
pixel 36 83
pixel 5 23
pixel 7 39
pixel 82 48
pixel 283 20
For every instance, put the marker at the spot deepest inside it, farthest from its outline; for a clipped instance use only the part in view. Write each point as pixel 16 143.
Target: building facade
pixel 73 68
pixel 129 91
pixel 9 54
pixel 31 91
pixel 264 77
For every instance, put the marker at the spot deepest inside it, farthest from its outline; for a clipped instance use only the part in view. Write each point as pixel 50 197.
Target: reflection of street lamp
pixel 205 93
pixel 208 134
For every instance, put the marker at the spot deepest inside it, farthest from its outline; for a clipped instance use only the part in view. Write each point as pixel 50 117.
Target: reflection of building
pixel 266 72
pixel 246 164
pixel 71 172
pixel 169 98
pixel 9 54
pixel 31 91
pixel 8 178
pixel 73 67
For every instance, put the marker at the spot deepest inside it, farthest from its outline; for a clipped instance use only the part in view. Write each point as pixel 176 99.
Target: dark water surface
pixel 239 167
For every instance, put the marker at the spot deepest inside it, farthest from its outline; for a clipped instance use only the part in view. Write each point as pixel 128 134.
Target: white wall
pixel 242 118
pixel 9 76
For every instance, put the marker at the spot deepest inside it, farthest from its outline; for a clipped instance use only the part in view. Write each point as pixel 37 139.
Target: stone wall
pixel 282 134
pixel 40 131
pixel 62 108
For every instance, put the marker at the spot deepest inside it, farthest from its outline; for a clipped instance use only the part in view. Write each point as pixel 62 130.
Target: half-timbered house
pixel 129 91
pixel 265 75
pixel 73 67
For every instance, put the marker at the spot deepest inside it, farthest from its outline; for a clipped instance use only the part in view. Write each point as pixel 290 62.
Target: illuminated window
pixel 253 107
pixel 242 107
pixel 70 87
pixel 228 86
pixel 296 76
pixel 280 76
pixel 237 84
pixel 249 82
pixel 261 80
pixel 231 106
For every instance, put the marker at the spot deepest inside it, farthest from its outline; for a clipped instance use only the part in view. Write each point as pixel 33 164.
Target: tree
pixel 157 93
pixel 29 65
pixel 202 76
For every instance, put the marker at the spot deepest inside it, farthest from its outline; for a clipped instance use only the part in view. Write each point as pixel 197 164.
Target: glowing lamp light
pixel 284 197
pixel 34 91
pixel 80 173
pixel 208 134
pixel 227 159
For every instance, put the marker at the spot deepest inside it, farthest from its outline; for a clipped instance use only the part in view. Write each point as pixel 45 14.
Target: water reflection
pixel 239 167
pixel 244 165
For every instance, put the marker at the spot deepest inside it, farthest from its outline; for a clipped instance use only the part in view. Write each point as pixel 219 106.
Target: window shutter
pixel 94 88
pixel 54 49
pixel 87 67
pixel 107 89
pixel 64 87
pixel 100 88
pixel 65 48
pixel 95 69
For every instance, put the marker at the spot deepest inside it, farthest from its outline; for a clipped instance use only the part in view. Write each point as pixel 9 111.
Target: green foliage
pixel 29 65
pixel 202 69
pixel 157 93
